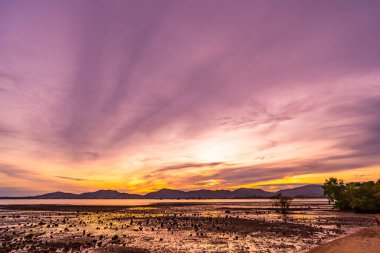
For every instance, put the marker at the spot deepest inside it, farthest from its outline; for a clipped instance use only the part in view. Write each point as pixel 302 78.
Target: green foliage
pixel 356 196
pixel 282 203
pixel 335 190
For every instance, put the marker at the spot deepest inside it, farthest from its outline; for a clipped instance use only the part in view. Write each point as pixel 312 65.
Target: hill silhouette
pixel 306 191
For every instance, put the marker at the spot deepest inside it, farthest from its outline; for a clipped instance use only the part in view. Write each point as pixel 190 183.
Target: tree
pixel 362 197
pixel 282 203
pixel 335 190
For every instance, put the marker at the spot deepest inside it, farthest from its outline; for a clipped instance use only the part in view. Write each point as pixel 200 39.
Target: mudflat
pixel 367 240
pixel 217 227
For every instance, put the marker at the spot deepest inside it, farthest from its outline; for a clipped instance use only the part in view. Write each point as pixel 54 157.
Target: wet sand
pixel 216 227
pixel 366 240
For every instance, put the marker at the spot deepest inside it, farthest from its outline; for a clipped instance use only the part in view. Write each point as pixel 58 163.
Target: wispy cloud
pixel 15 172
pixel 70 178
pixel 189 165
pixel 235 92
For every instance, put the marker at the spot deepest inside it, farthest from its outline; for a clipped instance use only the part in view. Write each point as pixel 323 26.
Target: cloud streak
pixel 188 165
pixel 71 178
pixel 128 93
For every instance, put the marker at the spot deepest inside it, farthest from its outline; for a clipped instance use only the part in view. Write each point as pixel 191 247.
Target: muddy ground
pixel 170 228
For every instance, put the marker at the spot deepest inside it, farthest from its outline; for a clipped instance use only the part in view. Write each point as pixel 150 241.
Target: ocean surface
pixel 143 202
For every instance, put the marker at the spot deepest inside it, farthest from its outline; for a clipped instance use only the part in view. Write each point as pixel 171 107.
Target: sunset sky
pixel 142 95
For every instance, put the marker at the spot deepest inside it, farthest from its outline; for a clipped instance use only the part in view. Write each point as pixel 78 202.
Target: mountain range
pixel 307 191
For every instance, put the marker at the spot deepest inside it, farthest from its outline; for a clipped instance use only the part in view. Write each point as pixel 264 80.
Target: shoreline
pixel 115 205
pixel 364 240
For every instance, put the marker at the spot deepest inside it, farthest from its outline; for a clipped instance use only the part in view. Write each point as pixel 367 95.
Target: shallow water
pixel 138 202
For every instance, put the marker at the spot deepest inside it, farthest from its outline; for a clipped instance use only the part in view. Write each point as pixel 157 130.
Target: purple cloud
pixel 135 86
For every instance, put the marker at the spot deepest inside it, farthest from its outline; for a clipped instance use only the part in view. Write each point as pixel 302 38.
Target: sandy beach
pixel 366 240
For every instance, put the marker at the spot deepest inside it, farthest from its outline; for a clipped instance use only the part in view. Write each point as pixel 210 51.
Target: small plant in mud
pixel 282 203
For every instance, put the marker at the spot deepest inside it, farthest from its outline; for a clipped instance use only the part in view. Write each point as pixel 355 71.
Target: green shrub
pixel 356 196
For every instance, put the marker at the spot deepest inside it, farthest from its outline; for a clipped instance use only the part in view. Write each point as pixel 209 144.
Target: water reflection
pixel 211 226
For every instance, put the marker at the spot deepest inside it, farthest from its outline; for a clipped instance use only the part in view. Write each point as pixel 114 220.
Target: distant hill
pixel 307 191
pixel 251 193
pixel 108 194
pixel 57 195
pixel 101 194
pixel 165 194
pixel 209 194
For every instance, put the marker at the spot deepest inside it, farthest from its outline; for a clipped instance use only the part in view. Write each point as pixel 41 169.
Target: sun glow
pixel 213 153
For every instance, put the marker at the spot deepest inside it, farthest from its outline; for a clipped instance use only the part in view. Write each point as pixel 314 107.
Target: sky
pixel 137 96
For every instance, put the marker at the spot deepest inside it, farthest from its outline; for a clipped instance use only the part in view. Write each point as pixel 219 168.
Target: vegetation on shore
pixel 282 203
pixel 361 197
